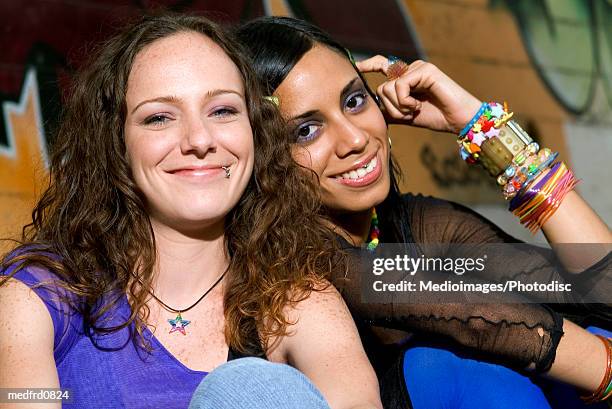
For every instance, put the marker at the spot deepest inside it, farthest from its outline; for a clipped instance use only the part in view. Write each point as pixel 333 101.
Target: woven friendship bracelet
pixel 517 162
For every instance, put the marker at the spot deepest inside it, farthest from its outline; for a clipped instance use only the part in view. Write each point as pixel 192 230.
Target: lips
pixel 361 171
pixel 363 174
pixel 198 171
pixel 359 164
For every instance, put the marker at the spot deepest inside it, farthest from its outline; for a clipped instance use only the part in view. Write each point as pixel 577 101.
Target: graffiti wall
pixel 550 59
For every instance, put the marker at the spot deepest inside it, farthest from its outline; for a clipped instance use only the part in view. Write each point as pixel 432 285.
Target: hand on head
pixel 422 95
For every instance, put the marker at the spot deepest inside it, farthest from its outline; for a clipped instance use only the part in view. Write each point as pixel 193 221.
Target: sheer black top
pixel 519 334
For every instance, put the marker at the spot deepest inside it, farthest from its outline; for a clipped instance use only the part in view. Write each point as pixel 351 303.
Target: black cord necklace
pixel 178 323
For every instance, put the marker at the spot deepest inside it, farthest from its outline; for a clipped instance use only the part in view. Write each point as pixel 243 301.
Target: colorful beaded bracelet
pixel 530 193
pixel 481 111
pixel 515 160
pixel 517 172
pixel 484 125
pixel 516 177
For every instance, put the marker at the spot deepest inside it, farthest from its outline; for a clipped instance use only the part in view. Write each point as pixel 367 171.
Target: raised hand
pixel 422 96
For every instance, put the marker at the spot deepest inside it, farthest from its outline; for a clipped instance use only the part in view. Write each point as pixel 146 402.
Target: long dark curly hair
pixel 275 45
pixel 91 229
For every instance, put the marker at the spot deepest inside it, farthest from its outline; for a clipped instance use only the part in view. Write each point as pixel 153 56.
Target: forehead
pixel 317 78
pixel 183 58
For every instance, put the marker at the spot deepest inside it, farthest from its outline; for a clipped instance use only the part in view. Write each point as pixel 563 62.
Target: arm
pixel 576 222
pixel 325 346
pixel 426 97
pixel 521 335
pixel 514 330
pixel 581 358
pixel 26 342
pixel 439 221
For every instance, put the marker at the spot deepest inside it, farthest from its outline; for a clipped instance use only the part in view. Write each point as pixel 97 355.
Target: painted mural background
pixel 550 59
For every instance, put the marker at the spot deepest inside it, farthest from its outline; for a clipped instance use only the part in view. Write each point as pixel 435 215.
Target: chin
pixel 204 206
pixel 205 216
pixel 357 201
pixel 191 218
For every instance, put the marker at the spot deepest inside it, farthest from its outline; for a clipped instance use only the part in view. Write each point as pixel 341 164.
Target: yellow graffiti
pixel 277 8
pixel 23 163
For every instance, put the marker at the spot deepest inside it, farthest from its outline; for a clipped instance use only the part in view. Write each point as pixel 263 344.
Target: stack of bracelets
pixel 604 391
pixel 529 176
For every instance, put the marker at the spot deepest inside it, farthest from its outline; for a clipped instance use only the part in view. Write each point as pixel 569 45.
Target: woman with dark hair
pixel 165 244
pixel 340 134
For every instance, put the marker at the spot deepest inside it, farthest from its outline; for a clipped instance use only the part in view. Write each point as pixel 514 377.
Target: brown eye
pixel 356 100
pixel 306 132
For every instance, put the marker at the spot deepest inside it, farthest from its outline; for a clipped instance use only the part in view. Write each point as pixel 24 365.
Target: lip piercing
pixel 227 171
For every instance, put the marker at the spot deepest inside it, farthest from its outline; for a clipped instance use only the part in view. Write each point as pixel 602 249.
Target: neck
pixel 356 225
pixel 187 265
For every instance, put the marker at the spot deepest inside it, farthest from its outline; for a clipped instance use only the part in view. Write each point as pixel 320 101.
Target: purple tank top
pixel 109 371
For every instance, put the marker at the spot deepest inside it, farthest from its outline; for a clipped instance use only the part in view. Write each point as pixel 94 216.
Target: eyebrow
pixel 348 86
pixel 171 99
pixel 343 93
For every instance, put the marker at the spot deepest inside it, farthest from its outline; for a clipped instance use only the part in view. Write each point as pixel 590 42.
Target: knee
pixel 246 371
pixel 254 380
pixel 428 363
pixel 241 367
pixel 486 384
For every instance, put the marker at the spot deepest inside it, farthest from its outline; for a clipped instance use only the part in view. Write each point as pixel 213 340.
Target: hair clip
pixel 273 99
pixel 350 56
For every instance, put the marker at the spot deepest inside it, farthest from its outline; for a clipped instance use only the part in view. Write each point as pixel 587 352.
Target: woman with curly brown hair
pixel 165 246
pixel 338 127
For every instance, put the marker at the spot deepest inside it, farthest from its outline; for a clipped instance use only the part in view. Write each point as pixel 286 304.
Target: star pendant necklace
pixel 178 324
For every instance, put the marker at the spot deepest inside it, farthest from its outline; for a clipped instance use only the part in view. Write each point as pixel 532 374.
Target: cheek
pixel 301 157
pixel 243 146
pixel 375 121
pixel 250 155
pixel 145 151
pixel 142 155
pixel 133 153
pixel 313 157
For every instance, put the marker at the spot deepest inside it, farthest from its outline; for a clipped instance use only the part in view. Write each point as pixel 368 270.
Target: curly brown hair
pixel 91 229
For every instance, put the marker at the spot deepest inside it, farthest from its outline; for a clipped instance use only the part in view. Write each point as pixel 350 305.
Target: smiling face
pixel 339 131
pixel 186 120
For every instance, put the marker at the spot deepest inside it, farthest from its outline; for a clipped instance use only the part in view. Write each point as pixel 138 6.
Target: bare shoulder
pixel 26 338
pixel 324 299
pixel 19 300
pixel 323 343
pixel 320 317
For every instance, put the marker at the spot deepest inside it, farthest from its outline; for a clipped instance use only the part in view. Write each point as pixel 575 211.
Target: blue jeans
pixel 439 378
pixel 253 383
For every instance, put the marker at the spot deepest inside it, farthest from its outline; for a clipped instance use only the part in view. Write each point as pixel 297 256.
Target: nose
pixel 197 139
pixel 350 138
